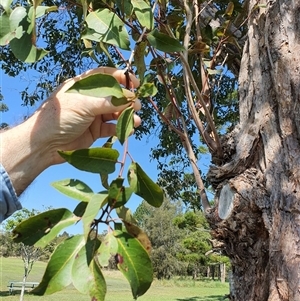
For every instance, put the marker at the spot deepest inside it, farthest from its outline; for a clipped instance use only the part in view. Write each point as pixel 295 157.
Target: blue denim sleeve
pixel 8 199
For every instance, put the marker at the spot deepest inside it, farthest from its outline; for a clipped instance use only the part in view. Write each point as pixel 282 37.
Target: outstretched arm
pixel 65 121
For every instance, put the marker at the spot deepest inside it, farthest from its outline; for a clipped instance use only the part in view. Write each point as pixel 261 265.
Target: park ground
pixel 117 286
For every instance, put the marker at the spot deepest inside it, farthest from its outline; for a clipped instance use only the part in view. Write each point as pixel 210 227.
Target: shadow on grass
pixel 207 298
pixel 15 292
pixel 4 293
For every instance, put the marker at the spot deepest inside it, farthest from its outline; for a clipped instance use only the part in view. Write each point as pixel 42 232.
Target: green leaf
pixel 25 51
pixel 42 10
pixel 5 32
pixel 118 195
pixel 147 89
pixel 10 23
pixel 145 187
pixel 58 274
pixel 139 59
pixel 91 211
pixel 124 6
pixel 6 5
pixel 119 101
pixel 74 189
pixel 105 26
pixel 164 42
pixel 87 277
pixel 97 85
pixel 125 124
pixel 134 263
pixel 108 248
pixel 40 229
pixel 143 13
pixel 104 176
pixel 23 46
pixel 95 160
pixel 139 234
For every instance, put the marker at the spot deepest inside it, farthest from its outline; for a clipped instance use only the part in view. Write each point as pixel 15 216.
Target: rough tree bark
pixel 258 187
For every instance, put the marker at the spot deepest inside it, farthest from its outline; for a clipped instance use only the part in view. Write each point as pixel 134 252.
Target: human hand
pixel 69 121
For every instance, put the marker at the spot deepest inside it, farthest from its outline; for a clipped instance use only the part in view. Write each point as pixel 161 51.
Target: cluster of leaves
pixel 79 259
pixel 83 34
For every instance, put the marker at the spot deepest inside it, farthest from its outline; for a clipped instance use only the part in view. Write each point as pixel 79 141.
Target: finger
pixel 115 116
pixel 104 106
pixel 120 75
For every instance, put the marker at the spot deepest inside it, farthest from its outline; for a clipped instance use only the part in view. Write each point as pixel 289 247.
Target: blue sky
pixel 40 193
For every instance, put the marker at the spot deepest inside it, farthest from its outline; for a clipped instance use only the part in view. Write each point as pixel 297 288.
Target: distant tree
pixel 3 108
pixel 29 254
pixel 195 241
pixel 164 236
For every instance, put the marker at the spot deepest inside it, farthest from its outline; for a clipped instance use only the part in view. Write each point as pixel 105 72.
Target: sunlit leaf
pixel 24 50
pixel 145 187
pixel 143 13
pixel 108 248
pixel 74 189
pixel 105 26
pixel 124 6
pixel 91 211
pixel 97 85
pixel 58 274
pixel 125 124
pixel 87 277
pixel 5 33
pixel 40 229
pixel 104 176
pixel 6 5
pixel 139 234
pixel 147 89
pixel 134 262
pixel 95 160
pixel 139 59
pixel 164 42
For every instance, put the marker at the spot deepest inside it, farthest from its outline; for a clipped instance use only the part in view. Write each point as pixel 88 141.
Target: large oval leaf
pixel 91 211
pixel 143 12
pixel 58 274
pixel 74 189
pixel 139 234
pixel 40 229
pixel 108 248
pixel 105 26
pixel 97 85
pixel 164 42
pixel 125 124
pixel 118 195
pixel 95 160
pixel 86 273
pixel 134 262
pixel 143 186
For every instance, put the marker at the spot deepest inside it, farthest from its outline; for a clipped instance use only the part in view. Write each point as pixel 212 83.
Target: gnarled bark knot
pixel 239 219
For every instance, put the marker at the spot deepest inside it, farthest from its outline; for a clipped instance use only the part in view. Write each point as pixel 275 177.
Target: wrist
pixel 24 155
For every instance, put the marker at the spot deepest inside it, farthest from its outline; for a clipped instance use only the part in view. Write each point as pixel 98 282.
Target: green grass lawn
pixel 117 286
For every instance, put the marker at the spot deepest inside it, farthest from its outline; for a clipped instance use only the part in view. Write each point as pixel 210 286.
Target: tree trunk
pixel 258 187
pixel 23 288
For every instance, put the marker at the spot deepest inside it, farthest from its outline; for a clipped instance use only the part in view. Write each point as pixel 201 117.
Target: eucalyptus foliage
pixel 181 51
